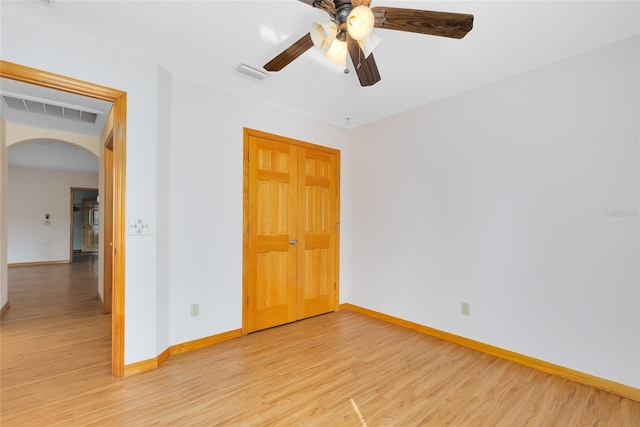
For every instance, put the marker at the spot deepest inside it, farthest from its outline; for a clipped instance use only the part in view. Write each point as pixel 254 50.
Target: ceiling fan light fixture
pixel 337 52
pixel 369 44
pixel 322 34
pixel 354 21
pixel 360 22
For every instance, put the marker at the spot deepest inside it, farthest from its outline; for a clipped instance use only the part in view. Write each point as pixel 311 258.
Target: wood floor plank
pixel 340 369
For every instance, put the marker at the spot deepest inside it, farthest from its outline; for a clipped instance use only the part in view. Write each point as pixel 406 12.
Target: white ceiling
pixel 204 41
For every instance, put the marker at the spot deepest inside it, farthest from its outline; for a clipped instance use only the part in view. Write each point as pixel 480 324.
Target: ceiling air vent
pixel 35 107
pixel 45 2
pixel 15 103
pixel 55 111
pixel 251 71
pixel 52 110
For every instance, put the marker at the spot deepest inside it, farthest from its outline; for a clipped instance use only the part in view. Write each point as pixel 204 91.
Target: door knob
pixel 293 242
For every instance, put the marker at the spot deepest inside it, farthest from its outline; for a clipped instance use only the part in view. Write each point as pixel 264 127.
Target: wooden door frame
pixel 37 77
pixel 72 222
pixel 91 221
pixel 247 133
pixel 107 233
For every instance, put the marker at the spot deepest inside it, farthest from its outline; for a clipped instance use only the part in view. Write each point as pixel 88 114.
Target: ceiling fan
pixel 350 30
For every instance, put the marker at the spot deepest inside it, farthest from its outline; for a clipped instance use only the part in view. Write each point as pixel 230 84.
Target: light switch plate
pixel 138 226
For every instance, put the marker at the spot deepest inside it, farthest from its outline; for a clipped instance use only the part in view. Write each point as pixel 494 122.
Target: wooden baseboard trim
pixel 205 342
pixel 4 308
pixel 155 362
pixel 31 264
pixel 540 365
pixel 162 357
pixel 141 366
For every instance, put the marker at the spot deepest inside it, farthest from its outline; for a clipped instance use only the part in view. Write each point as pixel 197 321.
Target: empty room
pixel 332 212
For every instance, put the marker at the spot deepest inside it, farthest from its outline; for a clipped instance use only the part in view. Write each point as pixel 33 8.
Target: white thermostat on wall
pixel 138 226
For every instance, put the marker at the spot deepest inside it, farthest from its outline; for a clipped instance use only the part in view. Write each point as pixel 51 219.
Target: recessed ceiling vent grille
pixel 49 3
pixel 52 110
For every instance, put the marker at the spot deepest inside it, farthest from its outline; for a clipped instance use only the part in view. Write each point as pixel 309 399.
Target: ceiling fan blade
pixel 289 54
pixel 356 3
pixel 366 68
pixel 443 24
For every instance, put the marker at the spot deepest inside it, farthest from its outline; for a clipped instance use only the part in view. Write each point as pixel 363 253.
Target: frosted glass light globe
pixel 337 52
pixel 360 22
pixel 323 34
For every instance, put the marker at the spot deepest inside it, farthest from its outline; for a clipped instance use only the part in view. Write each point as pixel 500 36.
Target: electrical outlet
pixel 195 310
pixel 465 308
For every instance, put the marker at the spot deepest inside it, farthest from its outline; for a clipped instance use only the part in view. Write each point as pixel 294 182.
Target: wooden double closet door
pixel 291 215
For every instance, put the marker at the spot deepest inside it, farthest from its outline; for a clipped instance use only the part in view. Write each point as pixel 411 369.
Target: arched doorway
pixel 50 170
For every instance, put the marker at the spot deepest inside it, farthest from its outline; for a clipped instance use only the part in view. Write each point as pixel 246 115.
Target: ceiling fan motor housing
pixel 343 8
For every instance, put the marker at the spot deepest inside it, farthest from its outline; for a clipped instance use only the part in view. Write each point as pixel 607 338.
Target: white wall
pixel 164 250
pixel 32 193
pixel 206 200
pixel 26 43
pixel 4 178
pixel 520 198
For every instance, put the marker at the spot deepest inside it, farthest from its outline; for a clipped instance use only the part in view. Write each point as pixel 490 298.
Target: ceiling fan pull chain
pixel 346 63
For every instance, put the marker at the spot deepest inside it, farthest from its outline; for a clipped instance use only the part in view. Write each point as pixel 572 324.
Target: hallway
pixel 53 334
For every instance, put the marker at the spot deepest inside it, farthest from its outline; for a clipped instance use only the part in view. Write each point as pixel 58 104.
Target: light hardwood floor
pixel 340 369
